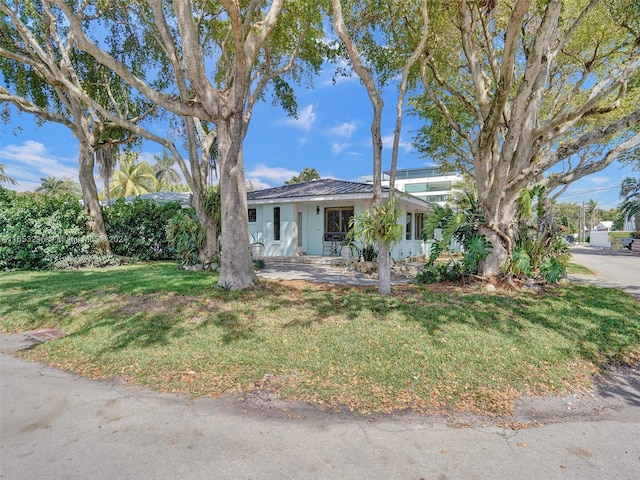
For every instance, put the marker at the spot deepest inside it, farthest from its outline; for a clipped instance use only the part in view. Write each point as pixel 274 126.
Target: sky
pixel 331 134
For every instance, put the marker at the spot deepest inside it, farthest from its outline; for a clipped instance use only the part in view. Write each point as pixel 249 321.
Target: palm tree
pixel 306 175
pixel 53 186
pixel 4 178
pixel 630 194
pixel 106 161
pixel 163 172
pixel 133 177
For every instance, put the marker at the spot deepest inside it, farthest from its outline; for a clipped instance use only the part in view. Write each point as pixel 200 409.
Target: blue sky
pixel 331 134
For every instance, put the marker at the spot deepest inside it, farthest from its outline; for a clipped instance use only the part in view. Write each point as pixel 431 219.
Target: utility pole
pixel 582 224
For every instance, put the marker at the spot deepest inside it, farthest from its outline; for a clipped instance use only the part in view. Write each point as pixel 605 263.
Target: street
pixel 613 268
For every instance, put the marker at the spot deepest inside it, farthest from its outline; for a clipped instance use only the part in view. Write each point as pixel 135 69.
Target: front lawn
pixel 427 349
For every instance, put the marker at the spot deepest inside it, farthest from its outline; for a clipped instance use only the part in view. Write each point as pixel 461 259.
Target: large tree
pixel 382 41
pixel 223 57
pixel 134 177
pixel 46 76
pixel 54 186
pixel 525 92
pixel 306 175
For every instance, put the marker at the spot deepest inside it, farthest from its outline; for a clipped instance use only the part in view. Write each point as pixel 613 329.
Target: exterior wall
pixel 425 183
pixel 431 189
pixel 310 233
pixel 599 239
pixel 262 230
pixel 307 238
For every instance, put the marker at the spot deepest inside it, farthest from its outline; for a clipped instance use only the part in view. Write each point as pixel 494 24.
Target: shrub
pixel 185 236
pixel 452 271
pixel 37 230
pixel 139 229
pixel 90 260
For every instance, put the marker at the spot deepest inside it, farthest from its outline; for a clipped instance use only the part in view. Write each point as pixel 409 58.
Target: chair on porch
pixel 332 243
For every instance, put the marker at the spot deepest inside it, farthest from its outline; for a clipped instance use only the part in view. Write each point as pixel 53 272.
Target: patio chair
pixel 328 244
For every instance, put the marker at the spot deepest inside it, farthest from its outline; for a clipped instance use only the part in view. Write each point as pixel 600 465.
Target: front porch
pixel 301 260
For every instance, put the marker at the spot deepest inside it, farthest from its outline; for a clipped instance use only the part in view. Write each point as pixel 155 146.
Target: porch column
pixel 296 228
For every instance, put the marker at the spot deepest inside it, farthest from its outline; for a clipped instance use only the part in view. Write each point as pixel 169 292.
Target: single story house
pixel 312 218
pixel 605 226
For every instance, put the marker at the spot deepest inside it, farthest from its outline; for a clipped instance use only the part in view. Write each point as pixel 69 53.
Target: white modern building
pixel 429 184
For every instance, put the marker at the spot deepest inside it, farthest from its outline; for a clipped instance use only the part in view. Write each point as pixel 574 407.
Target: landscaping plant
pixel 38 230
pixel 139 229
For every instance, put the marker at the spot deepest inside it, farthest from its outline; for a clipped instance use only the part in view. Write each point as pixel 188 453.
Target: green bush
pixel 452 271
pixel 139 229
pixel 186 236
pixel 90 260
pixel 37 230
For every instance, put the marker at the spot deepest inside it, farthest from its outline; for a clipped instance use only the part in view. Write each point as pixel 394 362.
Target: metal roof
pixel 314 188
pixel 327 190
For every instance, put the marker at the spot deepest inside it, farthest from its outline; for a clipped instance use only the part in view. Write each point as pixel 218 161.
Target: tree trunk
pixel 236 269
pixel 210 249
pixel 501 235
pixel 384 269
pixel 90 195
pixel 493 265
pixel 107 193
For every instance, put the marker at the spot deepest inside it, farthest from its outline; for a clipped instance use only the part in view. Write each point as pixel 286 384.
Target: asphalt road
pixel 613 268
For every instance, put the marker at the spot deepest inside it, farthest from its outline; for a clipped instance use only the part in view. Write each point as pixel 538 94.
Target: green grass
pixel 428 349
pixel 579 269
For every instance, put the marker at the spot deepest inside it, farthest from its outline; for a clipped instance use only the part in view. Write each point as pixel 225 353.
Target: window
pixel 336 219
pixel 252 215
pixel 438 186
pixel 419 223
pixel 435 198
pixel 408 227
pixel 299 229
pixel 276 224
pixel 415 187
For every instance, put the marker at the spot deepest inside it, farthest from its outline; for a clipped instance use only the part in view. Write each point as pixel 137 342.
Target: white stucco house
pixel 312 218
pixel 604 226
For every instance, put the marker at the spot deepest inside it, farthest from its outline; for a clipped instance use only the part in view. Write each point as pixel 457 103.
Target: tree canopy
pixel 306 175
pixel 528 92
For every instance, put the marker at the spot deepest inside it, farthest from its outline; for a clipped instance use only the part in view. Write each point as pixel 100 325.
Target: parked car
pixel 626 242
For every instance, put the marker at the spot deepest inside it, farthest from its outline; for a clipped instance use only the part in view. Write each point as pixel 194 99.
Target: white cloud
pixel 345 129
pixel 338 147
pixel 598 180
pixel 387 142
pixel 258 184
pixel 305 119
pixel 263 173
pixel 29 162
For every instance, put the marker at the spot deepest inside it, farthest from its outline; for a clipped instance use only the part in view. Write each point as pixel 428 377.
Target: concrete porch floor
pixel 317 269
pixel 302 260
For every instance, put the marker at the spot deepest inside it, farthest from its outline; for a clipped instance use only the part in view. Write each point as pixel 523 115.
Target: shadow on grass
pixel 142 329
pixel 154 305
pixel 234 328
